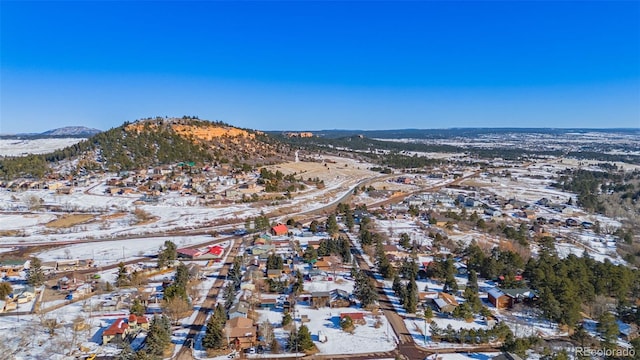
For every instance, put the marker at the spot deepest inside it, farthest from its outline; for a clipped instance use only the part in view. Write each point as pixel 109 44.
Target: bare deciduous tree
pixel 176 308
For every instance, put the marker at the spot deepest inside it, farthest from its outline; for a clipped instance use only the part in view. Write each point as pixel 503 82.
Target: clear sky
pixel 321 65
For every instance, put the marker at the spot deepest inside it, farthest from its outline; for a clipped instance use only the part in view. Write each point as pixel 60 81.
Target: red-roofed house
pixel 356 317
pixel 280 229
pixel 189 253
pixel 118 330
pixel 138 322
pixel 213 252
pixel 122 327
pixel 216 250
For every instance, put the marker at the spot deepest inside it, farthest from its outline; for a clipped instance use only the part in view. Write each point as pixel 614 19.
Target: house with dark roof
pixel 505 298
pixel 320 299
pixel 340 298
pixel 239 309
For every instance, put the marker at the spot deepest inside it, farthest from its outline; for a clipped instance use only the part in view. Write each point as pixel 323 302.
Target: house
pixel 445 303
pixel 322 265
pixel 188 253
pixel 117 331
pixel 506 298
pixel 268 303
pixel 241 333
pixel 356 317
pixel 499 299
pixel 239 309
pixel 628 332
pixel 461 269
pixel 320 299
pixel 137 323
pixel 24 295
pixel 122 327
pixel 262 249
pixel 314 244
pixel 274 273
pixel 279 230
pixel 66 283
pixel 216 250
pixel 213 252
pixel 339 298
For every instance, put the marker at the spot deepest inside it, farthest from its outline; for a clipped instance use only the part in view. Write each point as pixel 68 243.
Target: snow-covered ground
pixel 326 321
pixel 109 252
pixel 21 147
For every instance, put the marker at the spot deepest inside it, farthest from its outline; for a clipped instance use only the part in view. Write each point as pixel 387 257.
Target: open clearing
pixel 69 220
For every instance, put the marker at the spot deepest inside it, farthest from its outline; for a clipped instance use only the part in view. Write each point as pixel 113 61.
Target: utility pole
pixel 425 331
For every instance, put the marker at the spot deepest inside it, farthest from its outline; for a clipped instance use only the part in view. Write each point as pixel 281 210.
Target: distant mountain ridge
pixel 67 131
pixel 76 131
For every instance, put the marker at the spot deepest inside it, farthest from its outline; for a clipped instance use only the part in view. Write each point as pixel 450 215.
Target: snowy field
pixel 21 147
pixel 109 252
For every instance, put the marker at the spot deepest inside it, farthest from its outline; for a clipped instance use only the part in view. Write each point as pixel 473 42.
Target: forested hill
pixel 152 142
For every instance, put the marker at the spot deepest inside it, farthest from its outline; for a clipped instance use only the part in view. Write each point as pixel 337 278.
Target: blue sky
pixel 321 65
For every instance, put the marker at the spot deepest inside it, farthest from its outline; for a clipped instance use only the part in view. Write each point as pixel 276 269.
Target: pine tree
pixel 286 319
pixel 364 290
pixel 300 340
pixel 473 280
pixel 137 308
pixel 122 279
pixel 214 336
pixel 127 353
pixel 168 253
pixel 332 225
pixel 450 285
pixel 608 329
pixel 404 240
pixel 346 323
pixel 473 299
pixel 220 314
pixel 158 336
pixel 35 276
pixel 229 295
pixel 412 296
pixel 428 313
